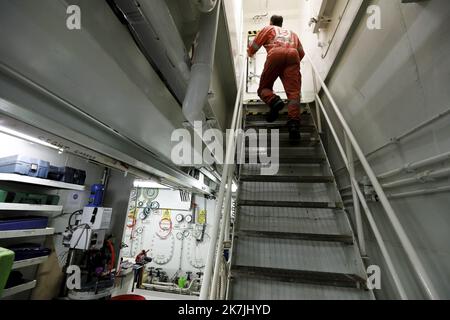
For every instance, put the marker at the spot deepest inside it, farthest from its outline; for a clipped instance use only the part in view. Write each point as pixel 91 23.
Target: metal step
pixel 281 127
pixel 287 169
pixel 346 239
pixel 283 117
pixel 290 204
pixel 300 276
pixel 268 290
pixel 293 220
pixel 287 179
pixel 291 150
pixel 284 142
pixel 294 159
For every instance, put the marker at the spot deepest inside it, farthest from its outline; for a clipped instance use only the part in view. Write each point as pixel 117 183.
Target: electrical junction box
pixel 97 218
pixel 87 239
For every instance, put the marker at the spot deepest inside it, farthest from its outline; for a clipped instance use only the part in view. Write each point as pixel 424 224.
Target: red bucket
pixel 128 297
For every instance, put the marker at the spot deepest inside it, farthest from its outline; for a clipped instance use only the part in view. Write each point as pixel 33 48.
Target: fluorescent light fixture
pixel 26 137
pixel 148 184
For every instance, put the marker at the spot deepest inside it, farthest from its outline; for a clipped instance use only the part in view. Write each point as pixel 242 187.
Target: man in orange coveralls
pixel 284 54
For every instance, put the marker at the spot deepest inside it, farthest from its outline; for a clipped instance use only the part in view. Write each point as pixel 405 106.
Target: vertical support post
pixel 356 203
pixel 228 217
pixel 219 253
pixel 318 115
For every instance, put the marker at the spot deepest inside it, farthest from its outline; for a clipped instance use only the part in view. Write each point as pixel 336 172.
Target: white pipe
pixel 218 210
pixel 201 71
pixel 372 223
pixel 422 177
pixel 396 140
pixel 416 165
pixel 409 167
pixel 418 193
pixel 404 240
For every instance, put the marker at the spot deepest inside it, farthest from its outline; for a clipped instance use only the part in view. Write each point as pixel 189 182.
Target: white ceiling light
pixel 26 137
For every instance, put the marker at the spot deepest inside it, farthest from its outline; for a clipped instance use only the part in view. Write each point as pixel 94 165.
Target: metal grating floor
pixel 295 255
pixel 305 192
pixel 301 220
pixel 255 289
pixel 270 236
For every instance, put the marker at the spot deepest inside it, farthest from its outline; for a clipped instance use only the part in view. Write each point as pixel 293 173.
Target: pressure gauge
pixel 179 218
pixel 154 205
pixel 188 219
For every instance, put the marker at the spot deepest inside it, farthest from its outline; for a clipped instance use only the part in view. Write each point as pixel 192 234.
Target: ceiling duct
pixel 205 5
pixel 155 31
pixel 202 68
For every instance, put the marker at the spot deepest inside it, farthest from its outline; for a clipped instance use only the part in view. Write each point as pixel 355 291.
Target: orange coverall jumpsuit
pixel 284 54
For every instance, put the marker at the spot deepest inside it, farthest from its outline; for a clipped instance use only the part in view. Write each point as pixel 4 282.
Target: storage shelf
pixel 20 288
pixel 40 182
pixel 26 233
pixel 29 207
pixel 29 262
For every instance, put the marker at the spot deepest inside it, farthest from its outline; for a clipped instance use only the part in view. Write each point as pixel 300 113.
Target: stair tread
pixel 347 239
pixel 287 179
pixel 300 276
pixel 247 288
pixel 294 220
pixel 280 127
pixel 290 204
pixel 288 192
pixel 293 159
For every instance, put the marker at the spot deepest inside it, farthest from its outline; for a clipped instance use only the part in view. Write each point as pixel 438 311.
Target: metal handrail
pixel 401 234
pixel 216 245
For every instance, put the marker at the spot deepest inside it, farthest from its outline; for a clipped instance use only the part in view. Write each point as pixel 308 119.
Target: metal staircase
pixel 292 237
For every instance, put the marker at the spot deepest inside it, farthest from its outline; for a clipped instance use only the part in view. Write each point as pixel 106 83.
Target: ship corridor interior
pixel 138 160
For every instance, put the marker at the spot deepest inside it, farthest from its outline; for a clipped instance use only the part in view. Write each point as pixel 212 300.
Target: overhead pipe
pixel 202 68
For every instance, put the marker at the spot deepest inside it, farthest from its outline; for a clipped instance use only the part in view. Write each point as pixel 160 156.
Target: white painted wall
pixel 387 82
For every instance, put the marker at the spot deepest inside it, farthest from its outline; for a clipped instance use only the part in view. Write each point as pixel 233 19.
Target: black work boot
pixel 275 108
pixel 294 131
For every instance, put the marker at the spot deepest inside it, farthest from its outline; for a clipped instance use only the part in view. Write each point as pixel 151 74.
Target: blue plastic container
pixel 29 251
pixel 24 165
pixel 23 223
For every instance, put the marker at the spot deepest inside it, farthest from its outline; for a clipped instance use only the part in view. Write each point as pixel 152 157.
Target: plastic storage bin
pixel 3 195
pixel 24 165
pixel 67 174
pixel 6 263
pixel 23 223
pixel 29 251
